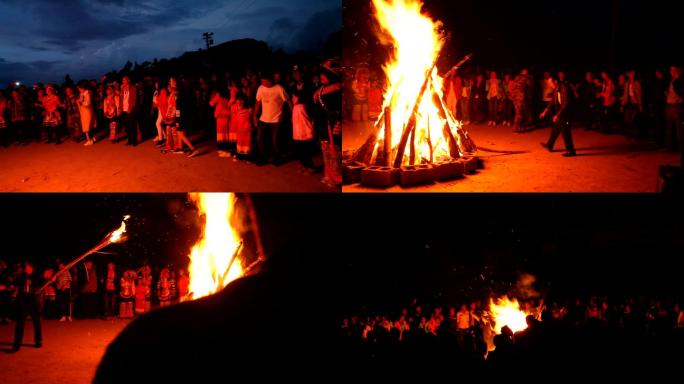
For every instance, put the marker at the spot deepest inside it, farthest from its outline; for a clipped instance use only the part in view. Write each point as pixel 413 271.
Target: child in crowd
pixel 221 104
pixel 110 291
pixel 159 101
pixel 183 285
pixel 50 308
pixel 112 107
pixel 140 296
pixel 164 288
pixel 127 295
pixel 303 134
pixel 52 119
pixel 244 126
pixel 4 131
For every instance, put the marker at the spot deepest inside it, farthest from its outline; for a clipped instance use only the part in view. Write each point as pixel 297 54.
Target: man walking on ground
pixel 559 105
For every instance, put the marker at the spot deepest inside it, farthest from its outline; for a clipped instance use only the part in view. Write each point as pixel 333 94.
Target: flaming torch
pixel 215 260
pixel 417 139
pixel 116 236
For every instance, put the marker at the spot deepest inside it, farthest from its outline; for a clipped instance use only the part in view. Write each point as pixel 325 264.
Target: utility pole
pixel 208 39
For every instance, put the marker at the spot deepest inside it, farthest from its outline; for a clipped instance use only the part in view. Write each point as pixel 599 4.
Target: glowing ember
pixel 507 312
pixel 415 91
pixel 214 260
pixel 117 235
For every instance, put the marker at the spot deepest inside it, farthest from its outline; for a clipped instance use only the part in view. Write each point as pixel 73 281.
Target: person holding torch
pixel 27 304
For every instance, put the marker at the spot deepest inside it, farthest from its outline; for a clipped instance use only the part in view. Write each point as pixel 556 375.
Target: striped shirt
pixel 64 281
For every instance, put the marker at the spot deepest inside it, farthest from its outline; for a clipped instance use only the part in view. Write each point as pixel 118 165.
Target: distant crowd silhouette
pixel 578 339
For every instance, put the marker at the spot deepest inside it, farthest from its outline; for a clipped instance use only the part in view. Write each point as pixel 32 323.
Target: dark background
pixel 447 248
pixel 540 34
pixel 383 250
pixel 162 228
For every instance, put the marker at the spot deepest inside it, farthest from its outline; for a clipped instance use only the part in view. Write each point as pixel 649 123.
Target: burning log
pixel 365 152
pixel 458 66
pixel 412 121
pixel 388 135
pixel 113 237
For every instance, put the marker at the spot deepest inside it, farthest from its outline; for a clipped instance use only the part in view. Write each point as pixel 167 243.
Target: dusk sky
pixel 42 40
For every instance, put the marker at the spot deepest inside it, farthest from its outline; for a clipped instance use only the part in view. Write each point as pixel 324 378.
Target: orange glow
pixel 215 259
pixel 417 42
pixel 507 312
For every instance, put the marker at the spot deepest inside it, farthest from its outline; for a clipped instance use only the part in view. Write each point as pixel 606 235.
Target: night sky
pixel 559 34
pixel 449 248
pixel 42 40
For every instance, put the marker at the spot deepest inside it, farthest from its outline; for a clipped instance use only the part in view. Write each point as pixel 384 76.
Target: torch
pixel 459 65
pixel 113 237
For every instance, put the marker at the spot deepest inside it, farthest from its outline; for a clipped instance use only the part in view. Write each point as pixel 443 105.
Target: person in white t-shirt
pixel 268 118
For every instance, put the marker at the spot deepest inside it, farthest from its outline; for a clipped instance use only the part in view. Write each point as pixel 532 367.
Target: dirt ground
pixel 107 167
pixel 605 163
pixel 70 353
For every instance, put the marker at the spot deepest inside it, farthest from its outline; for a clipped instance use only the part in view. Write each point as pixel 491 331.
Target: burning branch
pixel 113 237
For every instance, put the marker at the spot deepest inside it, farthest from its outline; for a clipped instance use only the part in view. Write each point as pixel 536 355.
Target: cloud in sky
pixel 45 39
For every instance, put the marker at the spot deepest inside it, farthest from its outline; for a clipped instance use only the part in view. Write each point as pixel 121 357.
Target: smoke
pixel 524 288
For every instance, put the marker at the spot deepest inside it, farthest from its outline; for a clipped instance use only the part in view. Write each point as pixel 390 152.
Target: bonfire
pixel 416 139
pixel 217 258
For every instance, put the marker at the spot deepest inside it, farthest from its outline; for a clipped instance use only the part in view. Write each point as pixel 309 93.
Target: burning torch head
pixel 119 235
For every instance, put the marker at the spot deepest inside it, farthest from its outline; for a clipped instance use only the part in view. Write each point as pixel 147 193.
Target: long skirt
pixel 222 130
pixel 74 124
pixel 244 139
pixel 86 119
pixel 332 162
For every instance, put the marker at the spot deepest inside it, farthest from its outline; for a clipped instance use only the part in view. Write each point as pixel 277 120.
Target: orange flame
pixel 507 312
pixel 117 235
pixel 214 260
pixel 417 42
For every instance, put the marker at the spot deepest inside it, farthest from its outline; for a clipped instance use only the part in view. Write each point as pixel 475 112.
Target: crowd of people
pixel 266 116
pixel 645 107
pixel 467 335
pixel 86 291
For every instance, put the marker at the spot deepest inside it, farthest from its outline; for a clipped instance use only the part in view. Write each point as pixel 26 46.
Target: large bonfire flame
pixel 507 312
pixel 215 259
pixel 504 312
pixel 418 127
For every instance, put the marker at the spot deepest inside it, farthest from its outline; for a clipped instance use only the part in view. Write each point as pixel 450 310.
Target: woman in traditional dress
pixel 87 112
pixel 175 120
pixel 4 131
pixel 127 295
pixel 19 115
pixel 164 288
pixel 244 126
pixel 220 103
pixel 328 121
pixel 73 116
pixel 160 101
pixel 52 119
pixel 111 110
